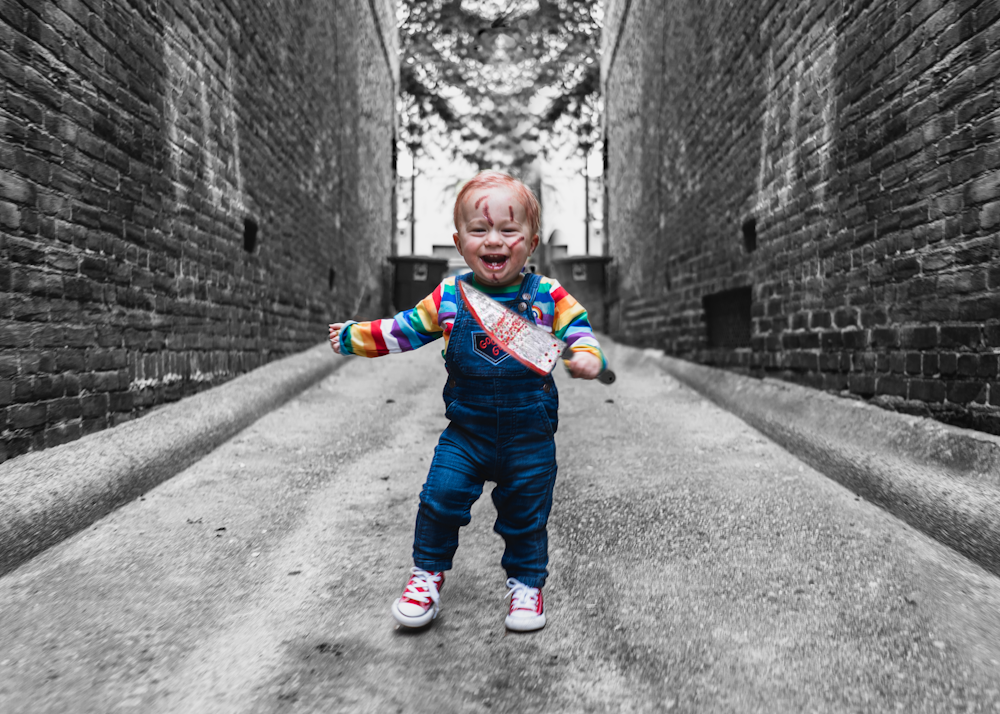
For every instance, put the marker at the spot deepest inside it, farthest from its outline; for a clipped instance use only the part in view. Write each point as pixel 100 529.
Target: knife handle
pixel 605 377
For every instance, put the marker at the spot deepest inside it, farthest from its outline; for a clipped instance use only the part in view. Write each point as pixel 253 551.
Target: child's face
pixel 492 236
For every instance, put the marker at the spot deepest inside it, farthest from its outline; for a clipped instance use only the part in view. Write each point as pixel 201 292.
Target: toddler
pixel 502 415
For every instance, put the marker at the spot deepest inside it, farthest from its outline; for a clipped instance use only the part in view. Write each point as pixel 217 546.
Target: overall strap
pixel 460 306
pixel 530 286
pixel 526 295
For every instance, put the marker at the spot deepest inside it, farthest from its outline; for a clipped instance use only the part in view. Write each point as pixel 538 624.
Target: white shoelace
pixel 522 597
pixel 421 579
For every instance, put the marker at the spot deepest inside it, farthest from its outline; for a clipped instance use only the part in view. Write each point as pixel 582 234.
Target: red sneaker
pixel 526 610
pixel 419 603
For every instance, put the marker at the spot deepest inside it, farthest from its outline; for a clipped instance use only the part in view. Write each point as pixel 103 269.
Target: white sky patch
pixel 491 9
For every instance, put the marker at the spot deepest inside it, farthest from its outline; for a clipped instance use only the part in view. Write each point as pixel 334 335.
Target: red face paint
pixel 481 199
pixel 486 212
pixel 511 209
pixel 519 239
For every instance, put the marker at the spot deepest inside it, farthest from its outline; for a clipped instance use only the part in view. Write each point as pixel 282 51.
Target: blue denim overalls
pixel 503 418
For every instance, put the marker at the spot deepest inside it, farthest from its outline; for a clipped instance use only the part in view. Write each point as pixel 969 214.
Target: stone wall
pixel 811 191
pixel 187 191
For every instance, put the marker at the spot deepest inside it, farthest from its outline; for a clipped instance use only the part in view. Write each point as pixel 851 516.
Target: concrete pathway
pixel 696 567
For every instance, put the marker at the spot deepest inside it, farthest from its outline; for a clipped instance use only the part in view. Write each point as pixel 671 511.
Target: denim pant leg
pixel 453 484
pixel 523 498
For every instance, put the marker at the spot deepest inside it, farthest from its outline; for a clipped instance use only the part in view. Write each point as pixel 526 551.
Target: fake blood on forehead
pixel 511 209
pixel 481 199
pixel 486 212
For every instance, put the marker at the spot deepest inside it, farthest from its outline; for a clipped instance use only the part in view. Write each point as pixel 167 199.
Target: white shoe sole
pixel 419 621
pixel 525 624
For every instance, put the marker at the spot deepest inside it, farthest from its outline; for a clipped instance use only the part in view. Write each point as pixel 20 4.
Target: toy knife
pixel 535 348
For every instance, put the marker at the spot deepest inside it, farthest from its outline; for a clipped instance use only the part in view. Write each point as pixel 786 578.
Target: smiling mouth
pixel 494 262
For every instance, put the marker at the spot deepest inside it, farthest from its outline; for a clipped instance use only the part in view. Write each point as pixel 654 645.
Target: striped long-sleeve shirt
pixel 433 317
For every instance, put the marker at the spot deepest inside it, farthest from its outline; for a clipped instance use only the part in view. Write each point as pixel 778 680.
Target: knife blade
pixel 532 346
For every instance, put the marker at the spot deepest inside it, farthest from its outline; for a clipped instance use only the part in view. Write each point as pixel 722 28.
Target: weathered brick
pixel 988 365
pixel 905 267
pixel 855 339
pixel 26 416
pixel 10 216
pixel 861 384
pixel 931 363
pixel 892 386
pixel 979 308
pixel 831 340
pixel 991 332
pixel 64 409
pixel 876 315
pixel 94 405
pixel 948 362
pixel 15 188
pixel 120 401
pixel 968 365
pixel 885 337
pixel 983 189
pixel 966 392
pixel 820 320
pixel 8 365
pixel 62 434
pixel 927 390
pixel 103 360
pixel 71 383
pixel 45 387
pixel 919 338
pixel 30 221
pixel 960 336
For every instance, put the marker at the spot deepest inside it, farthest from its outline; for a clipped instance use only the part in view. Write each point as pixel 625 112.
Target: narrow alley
pixel 696 567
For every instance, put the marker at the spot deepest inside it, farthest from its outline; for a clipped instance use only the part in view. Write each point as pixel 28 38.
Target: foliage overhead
pixel 500 82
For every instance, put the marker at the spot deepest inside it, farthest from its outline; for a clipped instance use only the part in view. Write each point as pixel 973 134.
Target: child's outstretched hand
pixel 585 365
pixel 335 336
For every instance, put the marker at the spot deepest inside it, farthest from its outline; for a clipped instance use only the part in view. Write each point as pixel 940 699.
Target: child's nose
pixel 493 236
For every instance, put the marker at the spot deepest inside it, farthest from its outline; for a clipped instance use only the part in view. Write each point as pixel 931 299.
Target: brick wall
pixel 839 159
pixel 142 142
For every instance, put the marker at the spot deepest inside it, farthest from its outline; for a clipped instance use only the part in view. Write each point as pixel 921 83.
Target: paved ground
pixel 697 567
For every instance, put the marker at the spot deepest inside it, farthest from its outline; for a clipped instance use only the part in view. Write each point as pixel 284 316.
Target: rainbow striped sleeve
pixel 448 307
pixel 568 319
pixel 407 331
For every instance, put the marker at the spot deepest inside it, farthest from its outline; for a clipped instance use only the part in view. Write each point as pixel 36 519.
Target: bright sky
pixel 490 9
